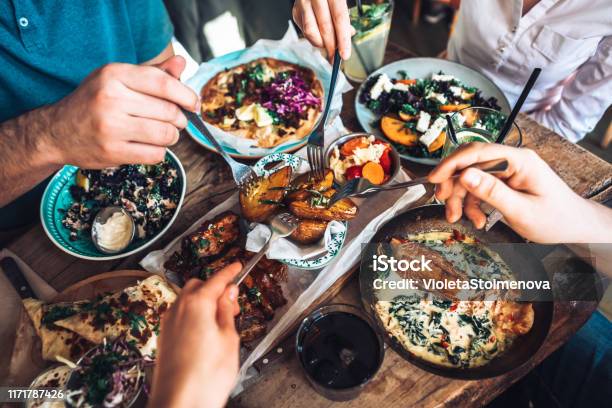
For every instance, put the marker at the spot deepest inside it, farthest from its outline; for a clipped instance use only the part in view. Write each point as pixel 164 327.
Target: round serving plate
pixel 424 68
pixel 228 61
pixel 57 198
pixel 337 239
pixel 432 218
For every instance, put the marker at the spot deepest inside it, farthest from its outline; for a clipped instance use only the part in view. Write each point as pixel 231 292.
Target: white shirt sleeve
pixel 584 99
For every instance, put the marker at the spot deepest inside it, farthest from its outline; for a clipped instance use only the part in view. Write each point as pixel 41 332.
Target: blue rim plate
pixel 337 241
pixel 230 60
pixel 423 68
pixel 57 197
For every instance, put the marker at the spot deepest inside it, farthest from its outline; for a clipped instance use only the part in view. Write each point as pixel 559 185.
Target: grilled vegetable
pixel 453 107
pixel 397 131
pixel 261 199
pixel 316 208
pixel 307 181
pixel 438 143
pixel 309 231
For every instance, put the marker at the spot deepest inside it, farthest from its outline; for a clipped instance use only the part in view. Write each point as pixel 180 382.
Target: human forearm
pixel 26 154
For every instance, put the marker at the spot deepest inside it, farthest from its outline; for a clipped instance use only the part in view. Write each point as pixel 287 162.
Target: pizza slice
pixel 267 100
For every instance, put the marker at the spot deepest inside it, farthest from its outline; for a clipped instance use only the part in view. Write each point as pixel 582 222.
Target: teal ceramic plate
pixel 424 68
pixel 337 241
pixel 57 197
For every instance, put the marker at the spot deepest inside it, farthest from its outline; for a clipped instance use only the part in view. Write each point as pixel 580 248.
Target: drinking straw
pixel 519 104
pixel 359 8
pixel 451 130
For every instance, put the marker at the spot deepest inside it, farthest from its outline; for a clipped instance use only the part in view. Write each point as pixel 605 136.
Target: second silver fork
pixel 282 225
pixel 316 141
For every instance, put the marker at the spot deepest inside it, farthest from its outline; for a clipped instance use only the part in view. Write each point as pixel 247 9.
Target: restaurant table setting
pixel 313 273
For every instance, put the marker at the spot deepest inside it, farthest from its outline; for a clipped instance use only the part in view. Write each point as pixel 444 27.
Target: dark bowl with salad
pixel 406 102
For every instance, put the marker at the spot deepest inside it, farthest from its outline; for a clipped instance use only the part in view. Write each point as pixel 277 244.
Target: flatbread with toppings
pixel 133 313
pixel 267 100
pixel 56 341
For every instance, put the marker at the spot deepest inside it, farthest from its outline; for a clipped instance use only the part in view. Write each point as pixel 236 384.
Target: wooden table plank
pixel 399 382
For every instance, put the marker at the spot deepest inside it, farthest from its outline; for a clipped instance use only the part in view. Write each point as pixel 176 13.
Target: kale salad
pixel 412 111
pixel 149 193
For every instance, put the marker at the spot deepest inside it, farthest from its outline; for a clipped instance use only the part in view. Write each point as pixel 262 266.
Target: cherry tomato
pixel 385 161
pixel 353 172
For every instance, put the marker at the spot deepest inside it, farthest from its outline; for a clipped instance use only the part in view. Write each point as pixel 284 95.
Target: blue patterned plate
pixel 337 241
pixel 57 197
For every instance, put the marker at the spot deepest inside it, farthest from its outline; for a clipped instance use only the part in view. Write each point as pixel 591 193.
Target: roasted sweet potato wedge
pixel 309 231
pixel 307 181
pixel 316 208
pixel 259 200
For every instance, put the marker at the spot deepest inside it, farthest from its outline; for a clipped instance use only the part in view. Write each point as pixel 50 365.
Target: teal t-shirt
pixel 47 47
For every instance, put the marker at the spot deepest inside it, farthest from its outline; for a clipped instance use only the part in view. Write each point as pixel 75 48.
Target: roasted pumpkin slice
pixel 397 131
pixel 316 208
pixel 471 116
pixel 406 116
pixel 261 198
pixel 309 231
pixel 438 143
pixel 453 107
pixel 307 181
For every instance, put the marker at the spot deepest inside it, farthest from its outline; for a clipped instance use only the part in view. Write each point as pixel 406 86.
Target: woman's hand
pixel 326 24
pixel 535 202
pixel 198 348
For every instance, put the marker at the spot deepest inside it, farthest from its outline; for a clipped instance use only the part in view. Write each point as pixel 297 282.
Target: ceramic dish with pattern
pixel 405 102
pixel 69 204
pixel 337 239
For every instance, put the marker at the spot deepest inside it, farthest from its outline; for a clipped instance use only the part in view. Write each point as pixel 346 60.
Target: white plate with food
pixel 405 102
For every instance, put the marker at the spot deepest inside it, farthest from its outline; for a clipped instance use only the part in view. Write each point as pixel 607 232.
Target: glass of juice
pixel 479 124
pixel 370 41
pixel 339 350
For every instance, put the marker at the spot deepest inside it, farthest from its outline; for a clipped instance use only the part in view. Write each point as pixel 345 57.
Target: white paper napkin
pixel 283 248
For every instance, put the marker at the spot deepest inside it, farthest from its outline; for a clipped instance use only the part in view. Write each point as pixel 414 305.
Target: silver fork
pixel 282 225
pixel 242 174
pixel 361 185
pixel 316 141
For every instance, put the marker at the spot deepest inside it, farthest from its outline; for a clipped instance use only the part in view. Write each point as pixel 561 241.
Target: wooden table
pixel 398 383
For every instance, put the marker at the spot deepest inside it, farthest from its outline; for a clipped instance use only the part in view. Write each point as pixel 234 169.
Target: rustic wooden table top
pixel 398 382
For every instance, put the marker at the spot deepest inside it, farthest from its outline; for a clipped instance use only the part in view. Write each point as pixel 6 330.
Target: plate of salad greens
pixel 406 101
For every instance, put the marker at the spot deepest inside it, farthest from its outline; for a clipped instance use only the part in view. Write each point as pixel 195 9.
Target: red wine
pixel 339 350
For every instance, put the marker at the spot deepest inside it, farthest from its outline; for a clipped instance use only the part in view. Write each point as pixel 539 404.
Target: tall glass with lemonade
pixel 370 40
pixel 478 124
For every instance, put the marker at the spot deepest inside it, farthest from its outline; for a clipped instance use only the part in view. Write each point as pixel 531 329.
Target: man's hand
pixel 198 347
pixel 121 114
pixel 535 202
pixel 326 24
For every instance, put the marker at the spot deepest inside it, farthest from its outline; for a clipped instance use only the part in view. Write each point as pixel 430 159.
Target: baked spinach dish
pixel 149 193
pixel 444 330
pixel 412 110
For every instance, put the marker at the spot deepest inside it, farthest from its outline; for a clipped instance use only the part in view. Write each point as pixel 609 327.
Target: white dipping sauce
pixel 116 233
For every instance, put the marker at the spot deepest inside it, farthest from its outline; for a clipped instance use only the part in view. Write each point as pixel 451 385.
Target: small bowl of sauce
pixel 339 351
pixel 112 230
